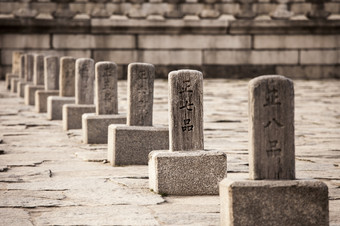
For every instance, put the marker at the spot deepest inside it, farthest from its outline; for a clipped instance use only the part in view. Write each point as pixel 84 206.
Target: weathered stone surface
pixel 271 128
pixel 84 92
pixel 186 110
pixel 38 71
pixel 14 216
pixel 16 58
pixel 279 202
pixel 186 173
pixel 55 106
pixel 21 88
pixel 14 85
pixel 131 145
pixel 22 66
pixel 9 77
pixel 67 77
pixel 29 67
pixel 106 93
pixel 72 114
pixel 95 127
pixel 30 93
pixel 140 94
pixel 51 74
pixel 41 99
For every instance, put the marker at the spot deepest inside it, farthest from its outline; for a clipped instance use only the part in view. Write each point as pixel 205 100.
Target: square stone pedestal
pixel 72 115
pixel 55 106
pixel 9 77
pixel 14 85
pixel 131 145
pixel 30 93
pixel 21 88
pixel 273 202
pixel 95 127
pixel 186 173
pixel 41 99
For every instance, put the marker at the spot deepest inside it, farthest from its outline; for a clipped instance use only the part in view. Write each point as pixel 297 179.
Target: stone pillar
pixel 27 73
pixel 21 74
pixel 186 169
pixel 106 101
pixel 15 69
pixel 130 144
pixel 66 89
pixel 51 83
pixel 84 95
pixel 38 79
pixel 272 196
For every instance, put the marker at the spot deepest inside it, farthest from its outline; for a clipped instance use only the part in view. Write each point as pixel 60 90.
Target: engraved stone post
pixel 14 82
pixel 51 73
pixel 66 89
pixel 16 58
pixel 140 94
pixel 29 67
pixel 22 67
pixel 38 78
pixel 94 125
pixel 186 110
pixel 84 81
pixel 106 88
pixel 271 128
pixel 67 77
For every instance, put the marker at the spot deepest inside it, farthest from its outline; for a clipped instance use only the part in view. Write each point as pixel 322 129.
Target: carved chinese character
pixel 274 121
pixel 274 150
pixel 187 105
pixel 272 97
pixel 185 87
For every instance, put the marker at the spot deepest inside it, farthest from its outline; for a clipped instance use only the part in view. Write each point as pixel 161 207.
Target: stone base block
pixel 9 77
pixel 186 173
pixel 14 85
pixel 21 88
pixel 55 106
pixel 95 127
pixel 41 99
pixel 30 93
pixel 280 202
pixel 131 145
pixel 72 115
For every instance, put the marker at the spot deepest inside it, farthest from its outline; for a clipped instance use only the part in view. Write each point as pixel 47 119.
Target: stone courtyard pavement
pixel 48 177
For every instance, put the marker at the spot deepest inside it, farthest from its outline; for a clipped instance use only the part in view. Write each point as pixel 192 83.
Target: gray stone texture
pixel 38 70
pixel 29 67
pixel 55 106
pixel 271 128
pixel 72 115
pixel 41 99
pixel 95 127
pixel 140 94
pixel 67 77
pixel 21 88
pixel 84 81
pixel 22 67
pixel 14 85
pixel 131 145
pixel 276 202
pixel 51 74
pixel 9 77
pixel 106 94
pixel 186 173
pixel 186 110
pixel 30 93
pixel 16 58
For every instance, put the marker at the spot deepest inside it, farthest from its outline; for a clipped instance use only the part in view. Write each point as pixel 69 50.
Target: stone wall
pixel 226 39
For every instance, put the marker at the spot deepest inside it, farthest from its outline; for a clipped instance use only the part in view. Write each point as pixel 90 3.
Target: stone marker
pixel 28 70
pixel 51 83
pixel 38 80
pixel 278 199
pixel 130 144
pixel 66 89
pixel 94 125
pixel 15 69
pixel 186 169
pixel 15 82
pixel 84 95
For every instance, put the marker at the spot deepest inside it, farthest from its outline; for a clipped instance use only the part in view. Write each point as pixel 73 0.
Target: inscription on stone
pixel 51 72
pixel 271 128
pixel 186 110
pixel 38 78
pixel 140 94
pixel 67 76
pixel 84 81
pixel 22 66
pixel 29 67
pixel 106 88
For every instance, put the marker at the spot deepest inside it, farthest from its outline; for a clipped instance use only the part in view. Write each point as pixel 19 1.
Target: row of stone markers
pixel 177 161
